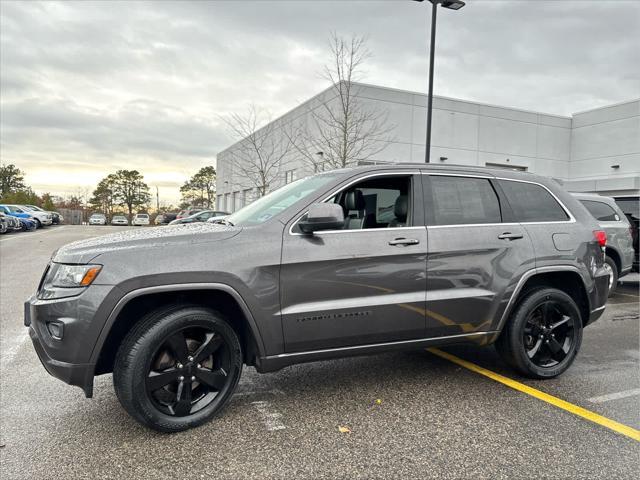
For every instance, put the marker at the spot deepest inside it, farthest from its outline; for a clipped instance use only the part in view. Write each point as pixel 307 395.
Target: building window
pixel 246 197
pixel 320 167
pixel 227 202
pixel 289 176
pixel 237 200
pixel 219 205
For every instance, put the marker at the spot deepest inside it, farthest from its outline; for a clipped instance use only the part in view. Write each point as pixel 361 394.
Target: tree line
pixel 124 190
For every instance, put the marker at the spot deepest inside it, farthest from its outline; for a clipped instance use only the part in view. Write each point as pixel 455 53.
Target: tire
pixel 613 284
pixel 521 335
pixel 38 224
pixel 147 355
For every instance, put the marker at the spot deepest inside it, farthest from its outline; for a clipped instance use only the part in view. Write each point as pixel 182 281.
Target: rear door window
pixel 532 203
pixel 463 200
pixel 601 211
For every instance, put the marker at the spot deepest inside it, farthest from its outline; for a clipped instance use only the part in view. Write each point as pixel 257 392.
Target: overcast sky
pixel 88 88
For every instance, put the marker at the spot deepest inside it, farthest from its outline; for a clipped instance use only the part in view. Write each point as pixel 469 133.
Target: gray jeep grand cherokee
pixel 348 262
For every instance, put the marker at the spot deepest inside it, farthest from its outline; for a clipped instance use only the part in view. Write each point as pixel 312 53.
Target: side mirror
pixel 323 216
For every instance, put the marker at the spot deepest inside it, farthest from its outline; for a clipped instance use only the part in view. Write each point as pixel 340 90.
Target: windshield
pixel 275 202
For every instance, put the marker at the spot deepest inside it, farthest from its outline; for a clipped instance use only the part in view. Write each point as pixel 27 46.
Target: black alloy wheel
pixel 178 367
pixel 549 334
pixel 188 371
pixel 543 334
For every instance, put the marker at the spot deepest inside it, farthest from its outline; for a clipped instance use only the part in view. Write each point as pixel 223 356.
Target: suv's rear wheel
pixel 543 335
pixel 177 368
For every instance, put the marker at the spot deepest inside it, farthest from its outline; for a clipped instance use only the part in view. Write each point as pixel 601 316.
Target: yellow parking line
pixel 545 397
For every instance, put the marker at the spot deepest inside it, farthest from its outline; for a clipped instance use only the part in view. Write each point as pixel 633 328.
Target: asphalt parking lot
pixel 403 415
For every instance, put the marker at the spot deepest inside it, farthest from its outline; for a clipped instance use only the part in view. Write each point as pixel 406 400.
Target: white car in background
pixel 119 220
pixel 140 220
pixel 41 218
pixel 97 219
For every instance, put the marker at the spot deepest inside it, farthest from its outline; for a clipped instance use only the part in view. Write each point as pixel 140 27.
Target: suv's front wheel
pixel 177 368
pixel 543 335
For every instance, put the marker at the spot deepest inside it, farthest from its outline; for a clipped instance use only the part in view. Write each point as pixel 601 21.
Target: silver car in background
pixel 619 249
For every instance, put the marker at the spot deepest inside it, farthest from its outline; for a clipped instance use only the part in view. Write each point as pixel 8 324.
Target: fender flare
pixel 176 287
pixel 526 276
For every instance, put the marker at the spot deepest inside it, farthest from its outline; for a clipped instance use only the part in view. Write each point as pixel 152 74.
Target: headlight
pixel 72 276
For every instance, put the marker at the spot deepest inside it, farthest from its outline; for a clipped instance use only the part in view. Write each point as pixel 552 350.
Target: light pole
pixel 451 5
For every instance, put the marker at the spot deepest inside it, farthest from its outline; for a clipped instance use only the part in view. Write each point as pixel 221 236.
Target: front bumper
pixel 80 375
pixel 67 358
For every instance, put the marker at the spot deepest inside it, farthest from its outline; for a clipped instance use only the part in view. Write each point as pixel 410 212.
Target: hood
pixel 83 251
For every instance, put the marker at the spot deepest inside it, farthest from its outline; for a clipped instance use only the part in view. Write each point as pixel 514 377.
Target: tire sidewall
pixel 138 358
pixel 614 272
pixel 522 361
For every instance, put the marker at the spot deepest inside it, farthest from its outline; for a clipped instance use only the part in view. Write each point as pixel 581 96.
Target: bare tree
pixel 260 151
pixel 341 131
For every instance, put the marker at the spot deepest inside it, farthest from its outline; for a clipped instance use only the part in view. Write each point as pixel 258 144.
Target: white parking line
pixel 10 351
pixel 615 396
pixel 270 417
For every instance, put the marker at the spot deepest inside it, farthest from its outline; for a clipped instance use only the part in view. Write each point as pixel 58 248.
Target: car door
pixel 362 284
pixel 476 253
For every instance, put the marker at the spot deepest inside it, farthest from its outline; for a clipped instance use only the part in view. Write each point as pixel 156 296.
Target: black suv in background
pixel 348 262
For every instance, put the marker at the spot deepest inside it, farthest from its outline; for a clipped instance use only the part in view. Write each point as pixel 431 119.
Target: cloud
pixel 88 87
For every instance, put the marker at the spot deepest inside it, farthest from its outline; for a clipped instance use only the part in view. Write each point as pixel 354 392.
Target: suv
pixel 619 250
pixel 348 262
pixel 140 220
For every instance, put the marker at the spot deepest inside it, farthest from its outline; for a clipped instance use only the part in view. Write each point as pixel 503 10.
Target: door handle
pixel 510 236
pixel 404 241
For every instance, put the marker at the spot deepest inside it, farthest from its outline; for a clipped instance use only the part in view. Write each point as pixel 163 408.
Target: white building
pixel 593 151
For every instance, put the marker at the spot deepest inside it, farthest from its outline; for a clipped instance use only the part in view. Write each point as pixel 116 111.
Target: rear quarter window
pixel 601 211
pixel 532 203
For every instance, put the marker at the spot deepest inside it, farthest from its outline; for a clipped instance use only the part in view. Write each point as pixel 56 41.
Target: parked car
pixel 119 220
pixel 13 223
pixel 312 272
pixel 98 219
pixel 202 216
pixel 28 224
pixel 165 218
pixel 630 205
pixel 16 212
pixel 41 217
pixel 188 212
pixel 619 250
pixel 4 223
pixel 140 220
pixel 56 218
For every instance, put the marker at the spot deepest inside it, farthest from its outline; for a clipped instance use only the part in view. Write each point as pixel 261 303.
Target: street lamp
pixel 451 5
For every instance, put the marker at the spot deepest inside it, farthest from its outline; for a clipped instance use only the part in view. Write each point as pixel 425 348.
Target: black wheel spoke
pixel 562 321
pixel 183 399
pixel 214 379
pixel 208 347
pixel 534 350
pixel 557 351
pixel 156 380
pixel 178 345
pixel 547 312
